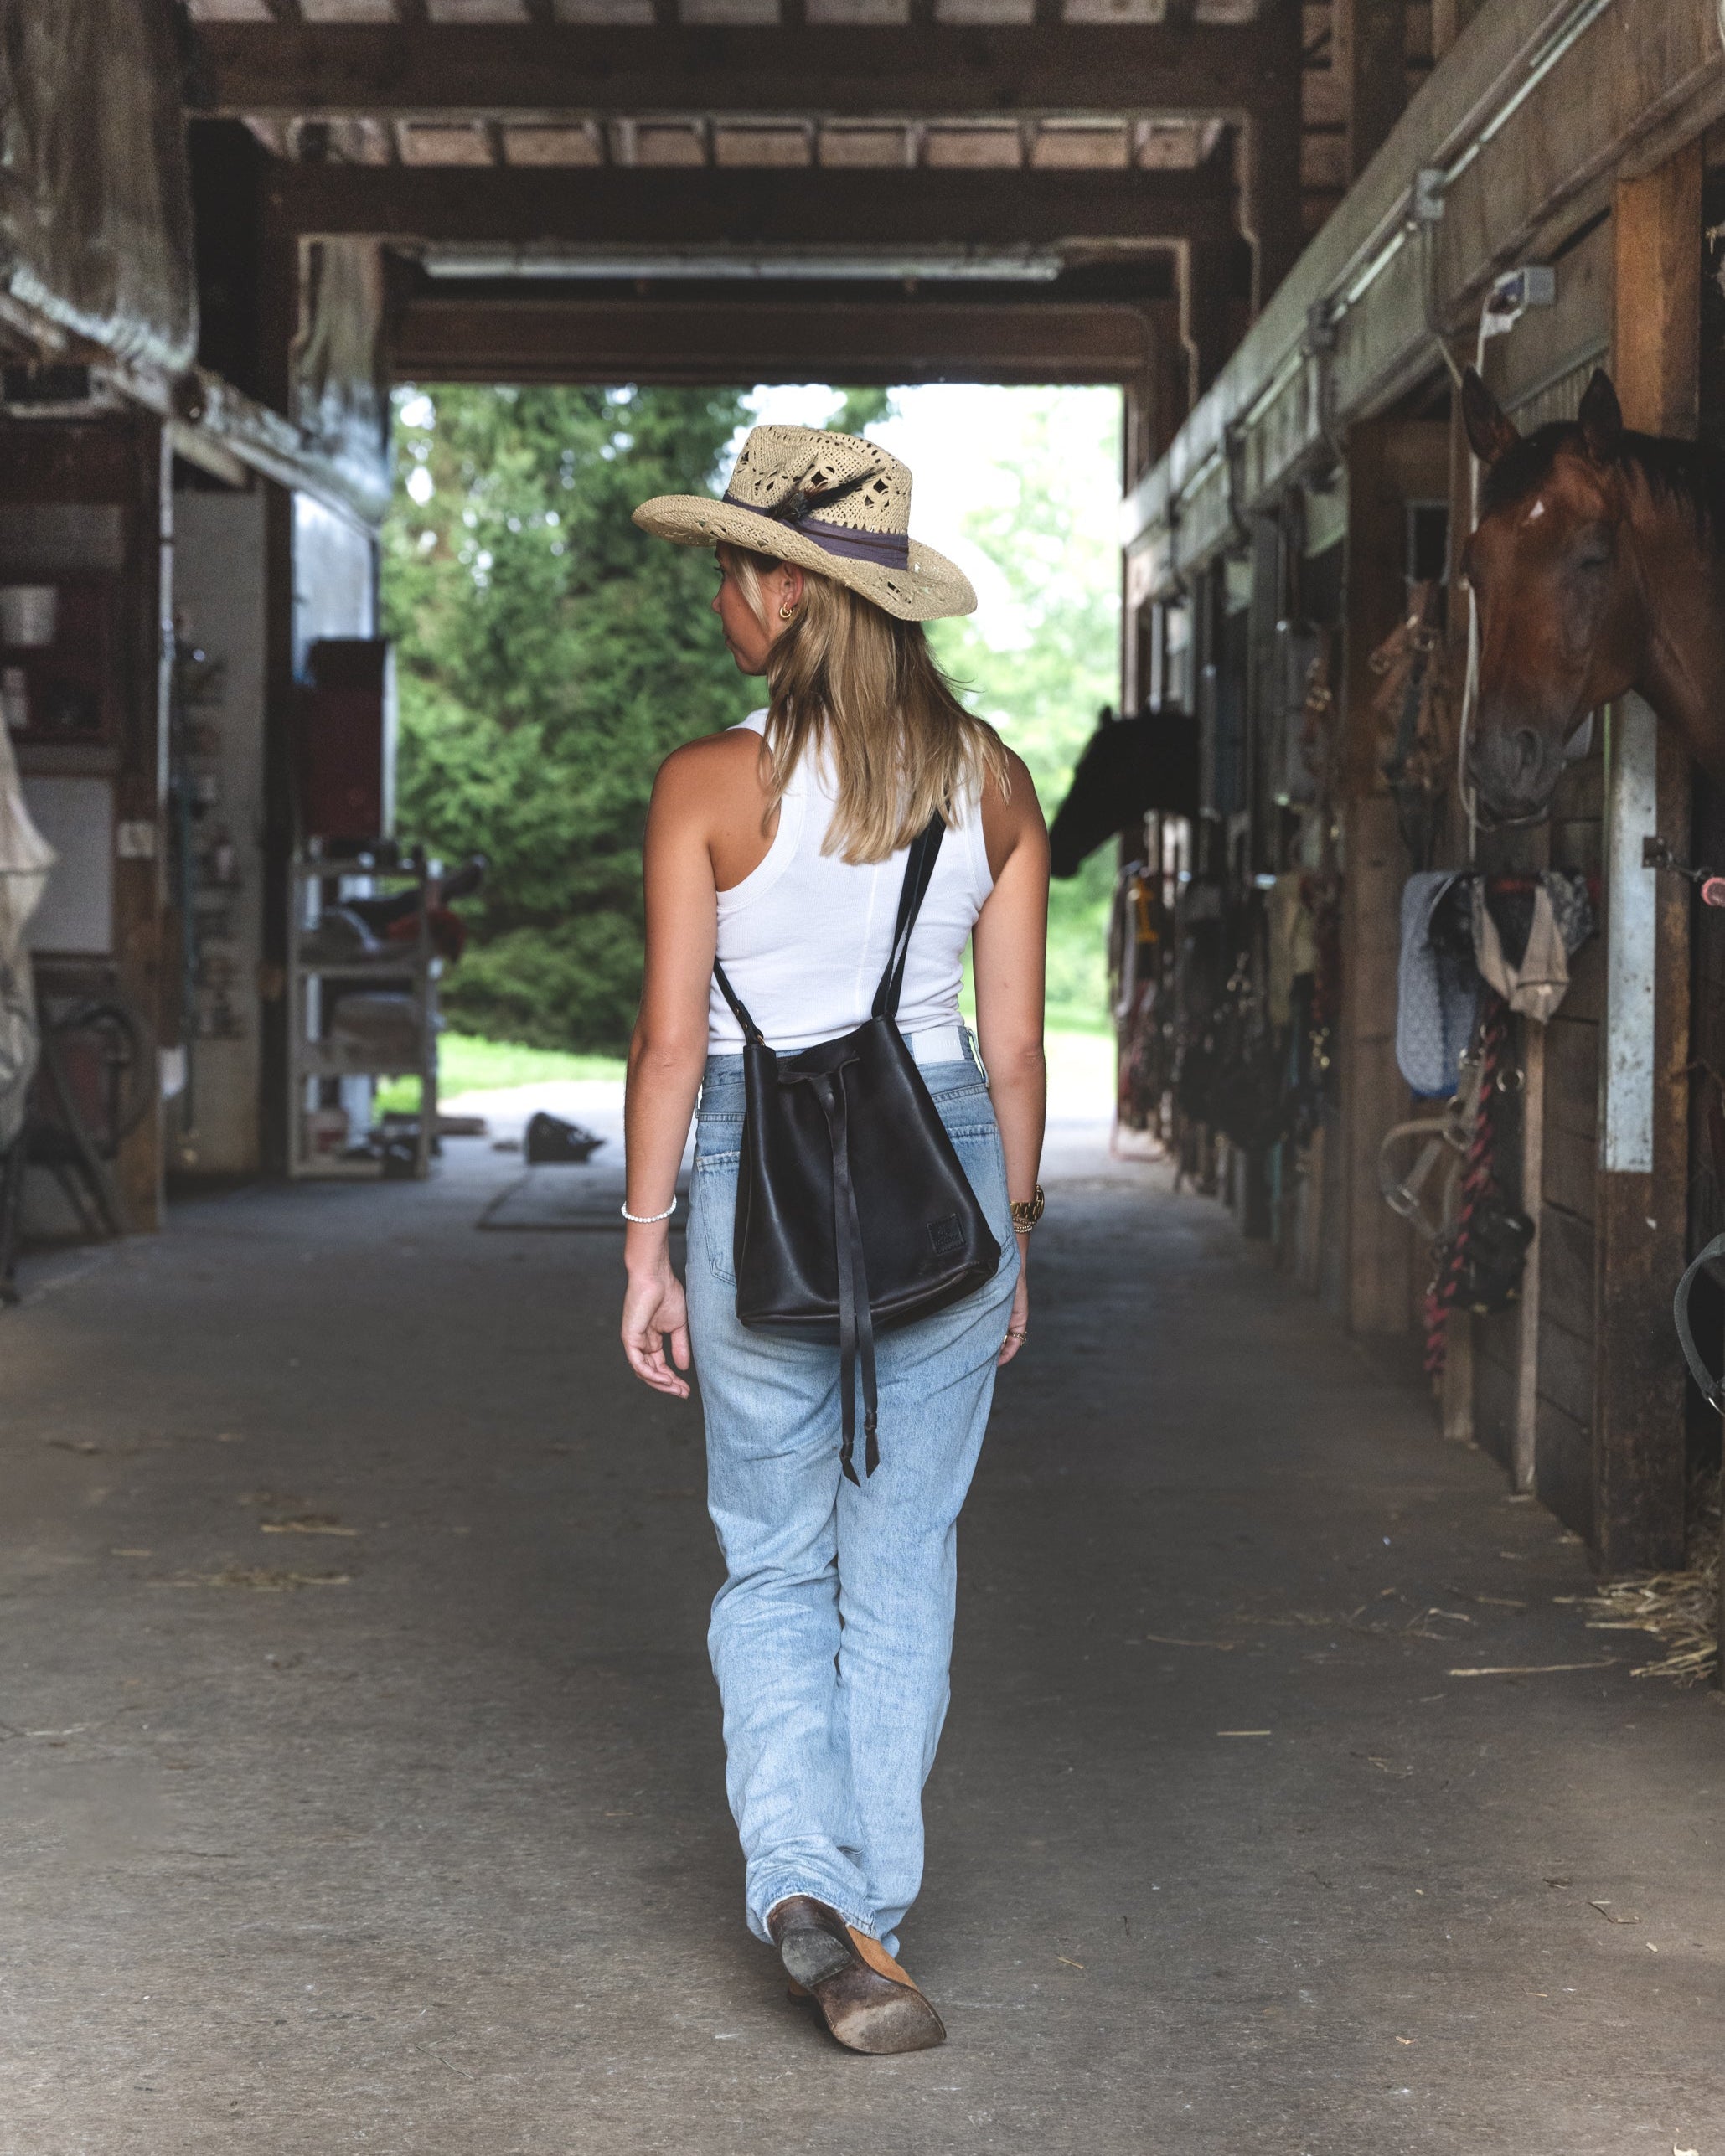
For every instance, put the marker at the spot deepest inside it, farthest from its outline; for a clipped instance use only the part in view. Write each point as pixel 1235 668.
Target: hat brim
pixel 930 588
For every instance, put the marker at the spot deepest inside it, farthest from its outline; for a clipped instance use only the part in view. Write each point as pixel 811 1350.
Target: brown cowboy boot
pixel 864 1998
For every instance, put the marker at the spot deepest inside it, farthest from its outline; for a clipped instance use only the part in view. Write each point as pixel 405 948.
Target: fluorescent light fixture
pixel 1020 265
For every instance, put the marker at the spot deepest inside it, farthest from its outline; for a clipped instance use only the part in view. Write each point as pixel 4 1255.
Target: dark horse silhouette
pixel 1598 567
pixel 1129 767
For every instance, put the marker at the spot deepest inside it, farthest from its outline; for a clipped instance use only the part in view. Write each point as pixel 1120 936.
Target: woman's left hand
pixel 1018 1325
pixel 654 1305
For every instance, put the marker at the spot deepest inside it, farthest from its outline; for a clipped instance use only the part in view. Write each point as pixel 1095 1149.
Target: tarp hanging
pixel 96 215
pixel 340 394
pixel 25 859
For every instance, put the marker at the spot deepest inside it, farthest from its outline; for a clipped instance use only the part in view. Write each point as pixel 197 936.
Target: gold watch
pixel 1026 1212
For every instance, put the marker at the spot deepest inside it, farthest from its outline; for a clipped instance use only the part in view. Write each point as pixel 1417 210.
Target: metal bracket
pixel 1657 853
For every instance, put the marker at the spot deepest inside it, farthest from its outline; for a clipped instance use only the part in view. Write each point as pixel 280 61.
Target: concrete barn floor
pixel 411 1836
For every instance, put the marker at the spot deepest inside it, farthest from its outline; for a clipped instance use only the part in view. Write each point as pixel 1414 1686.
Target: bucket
pixel 29 613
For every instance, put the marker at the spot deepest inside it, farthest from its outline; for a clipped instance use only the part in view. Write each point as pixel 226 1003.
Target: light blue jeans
pixel 832 1636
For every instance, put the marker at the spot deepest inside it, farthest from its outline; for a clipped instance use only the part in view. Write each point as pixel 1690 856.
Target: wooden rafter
pixel 885 210
pixel 330 70
pixel 462 337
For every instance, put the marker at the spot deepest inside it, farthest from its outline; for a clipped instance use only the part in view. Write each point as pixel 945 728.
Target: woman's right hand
pixel 1019 1323
pixel 654 1305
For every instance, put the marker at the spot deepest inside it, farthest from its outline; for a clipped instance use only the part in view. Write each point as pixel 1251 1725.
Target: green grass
pixel 1077 1056
pixel 467 1064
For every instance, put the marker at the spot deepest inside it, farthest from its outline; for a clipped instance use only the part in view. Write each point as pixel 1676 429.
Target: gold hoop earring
pixel 786 612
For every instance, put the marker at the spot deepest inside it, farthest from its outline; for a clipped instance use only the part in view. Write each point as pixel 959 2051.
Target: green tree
pixel 549 655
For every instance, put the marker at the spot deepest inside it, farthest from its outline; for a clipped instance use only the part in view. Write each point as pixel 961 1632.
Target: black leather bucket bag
pixel 854 1213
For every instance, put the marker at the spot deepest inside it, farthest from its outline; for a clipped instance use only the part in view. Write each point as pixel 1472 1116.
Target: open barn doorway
pixel 548 656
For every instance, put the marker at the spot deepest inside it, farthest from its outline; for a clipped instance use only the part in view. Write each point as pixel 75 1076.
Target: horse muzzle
pixel 1515 771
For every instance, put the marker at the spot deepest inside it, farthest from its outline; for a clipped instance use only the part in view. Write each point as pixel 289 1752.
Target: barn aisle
pixel 400 1828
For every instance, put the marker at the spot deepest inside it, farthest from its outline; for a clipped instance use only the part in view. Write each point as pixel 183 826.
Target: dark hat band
pixel 887 549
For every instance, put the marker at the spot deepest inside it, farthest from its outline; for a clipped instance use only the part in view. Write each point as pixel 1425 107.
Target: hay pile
pixel 1680 1609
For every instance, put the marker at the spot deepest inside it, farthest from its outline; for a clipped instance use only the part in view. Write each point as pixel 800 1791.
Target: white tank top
pixel 805 938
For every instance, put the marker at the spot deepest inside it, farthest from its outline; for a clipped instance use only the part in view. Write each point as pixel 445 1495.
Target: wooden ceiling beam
pixel 326 70
pixel 906 212
pixel 458 336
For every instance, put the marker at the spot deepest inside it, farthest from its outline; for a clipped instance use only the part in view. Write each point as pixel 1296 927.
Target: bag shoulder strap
pixel 919 873
pixel 1712 1388
pixel 751 1032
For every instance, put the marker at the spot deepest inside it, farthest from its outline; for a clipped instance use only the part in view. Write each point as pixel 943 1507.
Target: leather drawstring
pixel 856 1324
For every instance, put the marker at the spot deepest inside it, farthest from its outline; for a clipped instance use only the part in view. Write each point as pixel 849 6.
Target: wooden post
pixel 1639 1448
pixel 142 964
pixel 1369 47
pixel 1389 462
pixel 1533 1132
pixel 1270 187
pixel 278 300
pixel 1455 1405
pixel 1151 409
pixel 1203 310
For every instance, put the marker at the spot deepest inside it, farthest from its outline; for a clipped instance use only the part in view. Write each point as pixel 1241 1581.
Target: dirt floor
pixel 360 1770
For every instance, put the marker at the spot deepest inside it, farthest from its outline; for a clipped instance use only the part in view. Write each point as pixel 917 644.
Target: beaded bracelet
pixel 646 1219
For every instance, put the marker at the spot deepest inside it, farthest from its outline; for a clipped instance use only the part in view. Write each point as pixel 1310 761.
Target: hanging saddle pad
pixel 1437 991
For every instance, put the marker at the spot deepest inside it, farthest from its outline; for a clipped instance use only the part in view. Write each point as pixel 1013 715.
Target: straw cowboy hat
pixel 831 503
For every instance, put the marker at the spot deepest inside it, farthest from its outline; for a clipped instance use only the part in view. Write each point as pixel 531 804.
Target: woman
pixel 779 848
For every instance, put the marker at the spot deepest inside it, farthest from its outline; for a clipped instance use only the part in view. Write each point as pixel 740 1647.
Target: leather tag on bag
pixel 946 1235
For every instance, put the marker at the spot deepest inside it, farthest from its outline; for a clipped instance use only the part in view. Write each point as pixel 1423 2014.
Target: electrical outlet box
pixel 1534 283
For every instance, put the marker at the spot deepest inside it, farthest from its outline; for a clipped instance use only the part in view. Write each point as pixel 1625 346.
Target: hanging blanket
pixel 1522 939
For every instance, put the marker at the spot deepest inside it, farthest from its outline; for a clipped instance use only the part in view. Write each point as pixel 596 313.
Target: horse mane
pixel 1689 474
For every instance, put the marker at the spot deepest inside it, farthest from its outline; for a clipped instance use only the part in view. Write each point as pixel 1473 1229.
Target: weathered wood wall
pixel 1639 1452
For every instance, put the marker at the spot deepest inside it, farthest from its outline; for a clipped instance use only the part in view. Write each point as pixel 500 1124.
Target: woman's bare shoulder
pixel 1011 813
pixel 712 770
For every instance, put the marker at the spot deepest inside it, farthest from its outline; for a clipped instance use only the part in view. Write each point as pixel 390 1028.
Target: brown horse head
pixel 1557 579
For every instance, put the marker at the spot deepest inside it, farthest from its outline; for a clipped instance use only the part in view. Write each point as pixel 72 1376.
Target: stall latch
pixel 1657 853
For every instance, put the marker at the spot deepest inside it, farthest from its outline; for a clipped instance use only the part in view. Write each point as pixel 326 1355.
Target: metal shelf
pixel 322 869
pixel 313 1062
pixel 330 1066
pixel 369 969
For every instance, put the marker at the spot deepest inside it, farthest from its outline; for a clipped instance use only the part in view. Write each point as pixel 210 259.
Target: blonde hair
pixel 848 674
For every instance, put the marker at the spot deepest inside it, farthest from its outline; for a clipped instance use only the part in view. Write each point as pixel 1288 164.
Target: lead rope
pixel 1478 1178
